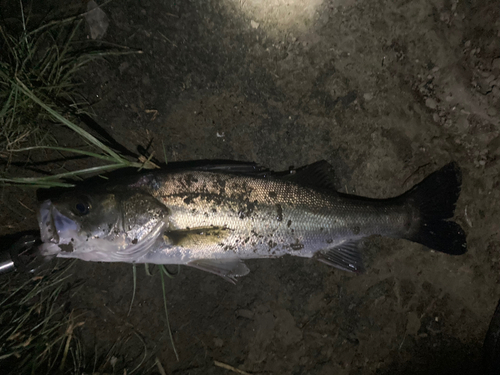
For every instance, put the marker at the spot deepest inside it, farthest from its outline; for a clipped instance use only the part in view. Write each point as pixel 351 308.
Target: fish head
pixel 101 226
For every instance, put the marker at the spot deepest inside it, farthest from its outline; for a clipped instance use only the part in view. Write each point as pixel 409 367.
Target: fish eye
pixel 82 207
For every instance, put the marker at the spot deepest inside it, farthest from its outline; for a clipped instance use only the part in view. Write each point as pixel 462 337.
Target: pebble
pixel 490 78
pixel 430 103
pixel 254 24
pixel 495 92
pixel 492 111
pixel 496 63
pixel 368 96
pixel 462 124
pixel 244 313
pixel 484 87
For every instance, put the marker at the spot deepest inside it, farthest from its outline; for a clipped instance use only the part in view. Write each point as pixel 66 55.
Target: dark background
pixel 387 92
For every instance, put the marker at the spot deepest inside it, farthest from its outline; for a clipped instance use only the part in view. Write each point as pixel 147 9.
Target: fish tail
pixel 435 199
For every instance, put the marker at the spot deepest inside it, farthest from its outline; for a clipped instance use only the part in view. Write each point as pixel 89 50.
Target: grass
pixel 38 70
pixel 40 333
pixel 44 60
pixel 38 92
pixel 113 159
pixel 35 326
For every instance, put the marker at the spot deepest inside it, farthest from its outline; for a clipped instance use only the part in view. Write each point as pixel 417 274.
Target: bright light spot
pixel 281 15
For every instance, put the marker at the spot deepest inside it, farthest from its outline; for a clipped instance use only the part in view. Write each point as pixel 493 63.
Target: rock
pixel 254 24
pixel 413 324
pixel 495 92
pixel 243 313
pixel 430 103
pixel 496 63
pixel 368 96
pixel 462 124
pixel 494 146
pixel 484 87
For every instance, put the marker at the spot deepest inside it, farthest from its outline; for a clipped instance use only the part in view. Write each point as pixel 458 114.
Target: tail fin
pixel 435 198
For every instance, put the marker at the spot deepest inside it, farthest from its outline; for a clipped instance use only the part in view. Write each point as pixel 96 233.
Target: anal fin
pixel 345 257
pixel 228 269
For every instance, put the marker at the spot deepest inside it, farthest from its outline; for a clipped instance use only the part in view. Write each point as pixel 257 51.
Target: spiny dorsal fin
pixel 317 175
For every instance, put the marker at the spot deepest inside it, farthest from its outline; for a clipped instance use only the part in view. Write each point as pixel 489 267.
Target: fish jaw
pixel 55 228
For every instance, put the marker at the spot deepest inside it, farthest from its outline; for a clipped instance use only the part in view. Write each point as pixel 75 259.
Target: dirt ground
pixel 387 92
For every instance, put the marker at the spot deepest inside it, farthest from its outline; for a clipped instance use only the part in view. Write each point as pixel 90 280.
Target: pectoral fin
pixel 345 257
pixel 228 269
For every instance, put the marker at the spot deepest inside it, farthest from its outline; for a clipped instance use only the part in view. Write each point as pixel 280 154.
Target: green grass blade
pixel 67 149
pixel 166 311
pixel 51 181
pixel 89 137
pixel 134 271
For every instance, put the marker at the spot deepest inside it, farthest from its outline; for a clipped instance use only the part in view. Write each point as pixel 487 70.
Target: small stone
pixel 243 313
pixel 413 324
pixel 462 124
pixel 495 92
pixel 490 79
pixel 123 67
pixel 492 111
pixel 430 103
pixel 484 73
pixel 368 96
pixel 496 63
pixel 436 118
pixel 494 146
pixel 467 44
pixel 484 87
pixel 482 162
pixel 254 24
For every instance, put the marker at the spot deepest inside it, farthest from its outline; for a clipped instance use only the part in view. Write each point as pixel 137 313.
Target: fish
pixel 214 216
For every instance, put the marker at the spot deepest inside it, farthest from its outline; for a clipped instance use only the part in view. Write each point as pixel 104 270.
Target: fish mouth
pixel 55 227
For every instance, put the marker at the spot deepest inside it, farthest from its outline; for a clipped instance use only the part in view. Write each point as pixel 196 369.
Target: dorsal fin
pixel 317 175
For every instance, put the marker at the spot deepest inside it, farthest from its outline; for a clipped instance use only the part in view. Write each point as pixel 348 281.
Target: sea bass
pixel 213 217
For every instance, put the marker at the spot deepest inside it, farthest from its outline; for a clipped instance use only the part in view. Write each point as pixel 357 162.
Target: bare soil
pixel 387 92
